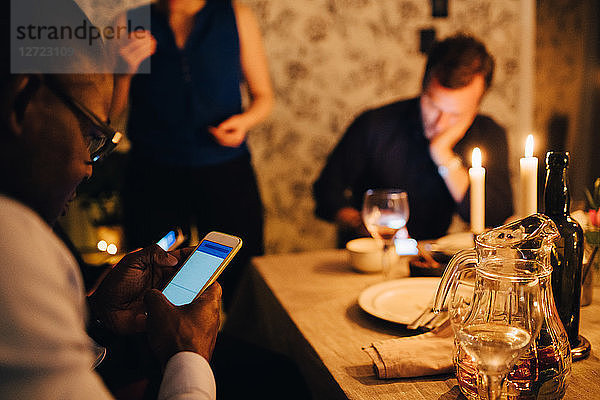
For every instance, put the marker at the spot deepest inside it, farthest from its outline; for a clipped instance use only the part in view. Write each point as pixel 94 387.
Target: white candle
pixel 528 178
pixel 477 182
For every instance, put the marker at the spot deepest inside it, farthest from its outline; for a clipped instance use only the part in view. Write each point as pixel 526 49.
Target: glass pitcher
pixel 468 289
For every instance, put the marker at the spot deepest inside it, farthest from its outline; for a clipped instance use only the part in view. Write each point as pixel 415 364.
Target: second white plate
pixel 453 243
pixel 400 300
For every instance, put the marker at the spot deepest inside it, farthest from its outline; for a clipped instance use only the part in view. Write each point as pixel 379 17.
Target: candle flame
pixel 102 245
pixel 529 146
pixel 476 158
pixel 111 249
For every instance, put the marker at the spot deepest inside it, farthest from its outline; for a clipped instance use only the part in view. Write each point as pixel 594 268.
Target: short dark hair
pixel 456 60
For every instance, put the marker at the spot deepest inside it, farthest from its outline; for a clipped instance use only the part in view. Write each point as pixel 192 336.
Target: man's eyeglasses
pixel 101 139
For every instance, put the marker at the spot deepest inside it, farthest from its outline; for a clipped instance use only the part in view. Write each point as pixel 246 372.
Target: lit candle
pixel 477 181
pixel 528 178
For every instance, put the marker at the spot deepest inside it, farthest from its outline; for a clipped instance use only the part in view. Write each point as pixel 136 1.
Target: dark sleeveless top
pixel 188 90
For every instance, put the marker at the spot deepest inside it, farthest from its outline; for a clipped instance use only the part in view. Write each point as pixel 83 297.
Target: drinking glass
pixel 385 212
pixel 498 325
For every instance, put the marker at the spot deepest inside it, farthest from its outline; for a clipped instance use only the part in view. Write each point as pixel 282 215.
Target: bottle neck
pixel 556 193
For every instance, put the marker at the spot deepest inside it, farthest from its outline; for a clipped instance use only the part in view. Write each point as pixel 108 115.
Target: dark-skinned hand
pixel 191 327
pixel 118 302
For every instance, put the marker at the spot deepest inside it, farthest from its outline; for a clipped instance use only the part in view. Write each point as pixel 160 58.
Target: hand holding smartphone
pixel 202 267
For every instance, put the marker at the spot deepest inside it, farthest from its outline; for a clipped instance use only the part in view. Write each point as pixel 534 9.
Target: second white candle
pixel 528 178
pixel 477 182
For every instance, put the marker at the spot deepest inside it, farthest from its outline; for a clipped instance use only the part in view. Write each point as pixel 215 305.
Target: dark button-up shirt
pixel 386 148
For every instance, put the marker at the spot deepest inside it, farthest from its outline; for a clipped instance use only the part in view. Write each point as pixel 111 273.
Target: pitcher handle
pixel 462 261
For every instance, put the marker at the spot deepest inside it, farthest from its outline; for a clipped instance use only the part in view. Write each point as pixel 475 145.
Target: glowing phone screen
pixel 194 274
pixel 168 240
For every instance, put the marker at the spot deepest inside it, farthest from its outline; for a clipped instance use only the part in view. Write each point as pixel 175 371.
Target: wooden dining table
pixel 304 305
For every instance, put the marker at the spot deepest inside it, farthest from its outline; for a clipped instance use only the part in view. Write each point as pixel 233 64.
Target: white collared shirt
pixel 45 352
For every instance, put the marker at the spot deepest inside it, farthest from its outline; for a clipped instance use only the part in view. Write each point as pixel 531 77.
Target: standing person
pixel 188 129
pixel 52 133
pixel 421 145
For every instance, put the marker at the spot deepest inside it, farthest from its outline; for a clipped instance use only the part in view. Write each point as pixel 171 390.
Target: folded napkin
pixel 426 354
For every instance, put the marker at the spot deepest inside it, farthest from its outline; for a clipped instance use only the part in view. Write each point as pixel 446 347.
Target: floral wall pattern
pixel 332 59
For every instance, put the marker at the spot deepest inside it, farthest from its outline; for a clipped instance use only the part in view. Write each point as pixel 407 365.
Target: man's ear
pixel 19 94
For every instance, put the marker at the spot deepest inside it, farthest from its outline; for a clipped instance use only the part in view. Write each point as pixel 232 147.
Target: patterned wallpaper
pixel 562 26
pixel 563 45
pixel 332 59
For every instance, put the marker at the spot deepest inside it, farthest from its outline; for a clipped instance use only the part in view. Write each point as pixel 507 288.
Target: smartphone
pixel 202 267
pixel 171 240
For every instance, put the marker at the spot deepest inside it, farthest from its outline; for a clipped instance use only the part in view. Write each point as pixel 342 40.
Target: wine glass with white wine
pixel 384 213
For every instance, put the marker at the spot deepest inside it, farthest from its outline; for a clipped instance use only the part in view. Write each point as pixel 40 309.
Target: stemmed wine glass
pixel 500 323
pixel 385 212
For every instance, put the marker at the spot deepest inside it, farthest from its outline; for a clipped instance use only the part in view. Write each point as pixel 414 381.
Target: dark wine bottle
pixel 567 257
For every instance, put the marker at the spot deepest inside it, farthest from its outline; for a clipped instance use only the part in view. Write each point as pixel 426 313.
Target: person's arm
pixel 133 50
pixel 175 332
pixel 455 175
pixel 450 165
pixel 136 50
pixel 45 350
pixel 187 376
pixel 118 300
pixel 120 304
pixel 498 189
pixel 333 190
pixel 254 65
pixel 232 132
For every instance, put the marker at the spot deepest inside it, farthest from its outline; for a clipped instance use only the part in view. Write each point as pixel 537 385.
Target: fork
pixel 438 321
pixel 424 318
pixel 428 320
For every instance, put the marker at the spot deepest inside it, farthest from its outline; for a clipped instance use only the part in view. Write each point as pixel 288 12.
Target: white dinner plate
pixel 399 300
pixel 453 243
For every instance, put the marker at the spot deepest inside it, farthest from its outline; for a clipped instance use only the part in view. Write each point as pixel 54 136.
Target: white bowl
pixel 365 254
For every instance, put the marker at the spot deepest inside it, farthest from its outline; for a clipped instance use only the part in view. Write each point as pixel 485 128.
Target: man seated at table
pixel 421 145
pixel 52 134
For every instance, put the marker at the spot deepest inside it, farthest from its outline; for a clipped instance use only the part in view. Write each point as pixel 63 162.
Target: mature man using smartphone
pixel 53 133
